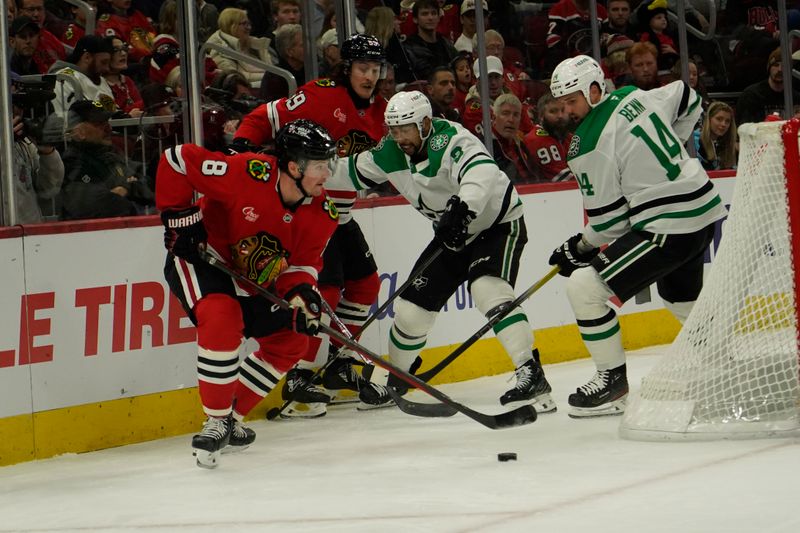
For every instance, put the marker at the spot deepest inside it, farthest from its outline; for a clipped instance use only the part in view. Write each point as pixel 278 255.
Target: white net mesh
pixel 733 370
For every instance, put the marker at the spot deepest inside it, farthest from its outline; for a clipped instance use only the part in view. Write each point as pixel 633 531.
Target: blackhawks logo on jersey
pixel 325 82
pixel 258 169
pixel 260 257
pixel 329 207
pixel 353 142
pixel 574 146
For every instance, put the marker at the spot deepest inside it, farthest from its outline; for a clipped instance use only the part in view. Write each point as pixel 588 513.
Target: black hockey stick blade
pixel 428 410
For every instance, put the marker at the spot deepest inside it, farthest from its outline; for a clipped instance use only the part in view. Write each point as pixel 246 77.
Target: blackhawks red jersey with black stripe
pixel 548 154
pixel 248 225
pixel 329 105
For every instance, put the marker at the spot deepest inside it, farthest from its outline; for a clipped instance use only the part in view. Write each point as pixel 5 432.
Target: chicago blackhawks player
pixel 645 195
pixel 268 218
pixel 352 112
pixel 446 174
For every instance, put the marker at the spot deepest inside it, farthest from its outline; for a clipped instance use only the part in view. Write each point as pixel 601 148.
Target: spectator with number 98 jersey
pixel 548 141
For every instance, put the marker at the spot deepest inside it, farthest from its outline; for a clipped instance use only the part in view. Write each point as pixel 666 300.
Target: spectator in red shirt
pixel 509 151
pixel 126 94
pixel 549 140
pixel 50 48
pixel 77 29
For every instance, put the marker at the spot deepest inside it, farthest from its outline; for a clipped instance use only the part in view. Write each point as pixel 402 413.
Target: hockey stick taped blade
pixel 430 410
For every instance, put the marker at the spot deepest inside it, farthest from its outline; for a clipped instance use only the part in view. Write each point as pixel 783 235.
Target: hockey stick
pixel 517 417
pixel 276 411
pixel 435 410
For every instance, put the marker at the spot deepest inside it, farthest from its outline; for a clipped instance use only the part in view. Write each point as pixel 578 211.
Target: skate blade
pixel 206 459
pixel 615 408
pixel 229 449
pixel 304 410
pixel 543 404
pixel 371 407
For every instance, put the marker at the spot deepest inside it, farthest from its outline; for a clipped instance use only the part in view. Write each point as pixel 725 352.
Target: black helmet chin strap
pixel 299 181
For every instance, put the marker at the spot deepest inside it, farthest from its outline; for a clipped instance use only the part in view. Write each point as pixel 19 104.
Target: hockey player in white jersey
pixel 446 174
pixel 645 196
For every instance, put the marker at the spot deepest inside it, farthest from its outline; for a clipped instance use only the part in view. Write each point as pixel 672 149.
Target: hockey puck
pixel 506 456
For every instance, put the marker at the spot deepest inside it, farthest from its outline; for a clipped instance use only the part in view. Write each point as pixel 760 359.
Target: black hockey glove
pixel 451 230
pixel 569 258
pixel 240 145
pixel 306 308
pixel 184 232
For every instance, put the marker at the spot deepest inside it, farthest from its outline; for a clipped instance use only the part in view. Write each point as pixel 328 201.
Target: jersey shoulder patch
pixel 475 104
pixel 105 17
pixel 259 170
pixel 325 82
pixel 330 208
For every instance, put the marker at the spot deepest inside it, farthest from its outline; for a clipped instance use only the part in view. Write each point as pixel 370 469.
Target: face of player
pixel 576 108
pixel 506 121
pixel 407 138
pixel 443 89
pixel 287 14
pixel 719 123
pixel 427 19
pixel 658 22
pixel 363 77
pixel 644 70
pixel 35 10
pixel 554 118
pixel 619 13
pixel 315 175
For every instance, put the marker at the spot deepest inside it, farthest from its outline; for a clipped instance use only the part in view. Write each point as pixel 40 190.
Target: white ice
pixel 384 471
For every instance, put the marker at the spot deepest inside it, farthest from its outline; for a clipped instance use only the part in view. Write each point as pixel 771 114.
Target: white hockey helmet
pixel 408 107
pixel 578 74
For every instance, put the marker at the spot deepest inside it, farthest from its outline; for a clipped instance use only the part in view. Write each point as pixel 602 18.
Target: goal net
pixel 733 371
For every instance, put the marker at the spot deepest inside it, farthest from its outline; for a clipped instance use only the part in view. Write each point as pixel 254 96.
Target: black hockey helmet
pixel 302 141
pixel 362 47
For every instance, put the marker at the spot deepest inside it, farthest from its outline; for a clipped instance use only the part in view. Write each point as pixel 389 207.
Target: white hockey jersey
pixel 457 163
pixel 633 170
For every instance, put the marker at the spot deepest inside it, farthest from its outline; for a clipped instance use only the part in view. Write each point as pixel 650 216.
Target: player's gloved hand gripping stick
pixel 517 417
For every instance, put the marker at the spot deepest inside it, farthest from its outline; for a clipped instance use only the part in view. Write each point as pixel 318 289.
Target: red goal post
pixel 734 369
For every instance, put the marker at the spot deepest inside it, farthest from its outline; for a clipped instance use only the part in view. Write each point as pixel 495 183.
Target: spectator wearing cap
pixel 427 49
pixel 234 34
pixel 473 114
pixel 126 94
pixel 117 18
pixel 652 17
pixel 97 181
pixel 50 48
pixel 87 64
pixel 465 42
pixel 328 50
pixel 619 21
pixel 764 97
pixel 24 39
pixel 77 28
pixel 615 63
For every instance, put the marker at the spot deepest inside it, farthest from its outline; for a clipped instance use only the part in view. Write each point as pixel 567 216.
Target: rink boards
pixel 95 352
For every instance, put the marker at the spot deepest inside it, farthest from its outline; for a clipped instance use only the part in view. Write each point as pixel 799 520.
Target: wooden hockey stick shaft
pixel 517 417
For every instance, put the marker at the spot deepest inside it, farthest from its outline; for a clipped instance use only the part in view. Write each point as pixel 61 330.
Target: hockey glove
pixel 184 232
pixel 451 230
pixel 240 145
pixel 306 308
pixel 569 258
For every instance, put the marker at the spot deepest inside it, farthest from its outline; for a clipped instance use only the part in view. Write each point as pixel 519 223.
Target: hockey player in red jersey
pixel 268 218
pixel 347 105
pixel 549 140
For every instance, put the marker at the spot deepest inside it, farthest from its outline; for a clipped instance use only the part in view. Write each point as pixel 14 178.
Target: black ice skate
pixel 241 438
pixel 604 395
pixel 214 436
pixel 531 388
pixel 374 396
pixel 309 401
pixel 341 375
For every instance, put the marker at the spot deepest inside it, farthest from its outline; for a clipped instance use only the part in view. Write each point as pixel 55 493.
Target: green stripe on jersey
pixel 591 128
pixel 681 214
pixel 389 157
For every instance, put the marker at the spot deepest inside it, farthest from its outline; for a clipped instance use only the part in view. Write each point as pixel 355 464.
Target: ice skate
pixel 241 438
pixel 604 395
pixel 309 400
pixel 532 388
pixel 207 444
pixel 341 375
pixel 374 396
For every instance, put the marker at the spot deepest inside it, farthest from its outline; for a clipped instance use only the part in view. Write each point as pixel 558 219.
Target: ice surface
pixel 384 471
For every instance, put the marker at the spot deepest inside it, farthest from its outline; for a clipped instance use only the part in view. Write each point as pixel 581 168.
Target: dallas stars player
pixel 645 195
pixel 446 174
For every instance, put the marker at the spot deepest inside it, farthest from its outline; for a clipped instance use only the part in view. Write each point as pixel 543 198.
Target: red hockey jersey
pixel 247 223
pixel 135 29
pixel 330 106
pixel 548 154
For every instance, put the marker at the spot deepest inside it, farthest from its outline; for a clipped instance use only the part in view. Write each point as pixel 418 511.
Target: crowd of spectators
pixel 129 67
